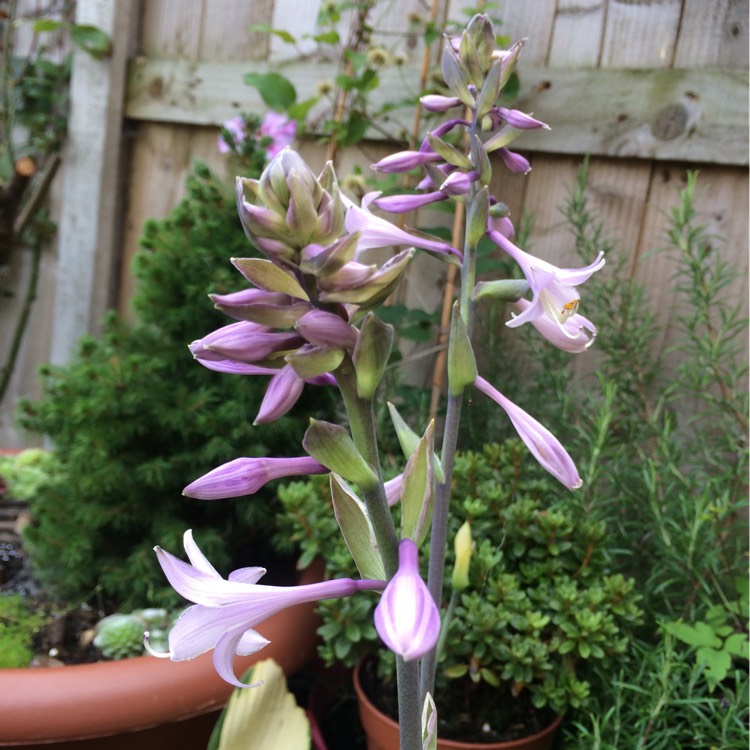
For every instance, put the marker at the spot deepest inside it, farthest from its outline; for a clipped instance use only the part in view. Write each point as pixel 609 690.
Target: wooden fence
pixel 649 88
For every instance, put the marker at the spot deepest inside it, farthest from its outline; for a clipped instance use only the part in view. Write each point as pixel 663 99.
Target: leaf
pixel 264 28
pixel 699 634
pixel 262 718
pixel 275 89
pixel 47 24
pixel 267 275
pixel 418 494
pixel 356 529
pixel 717 664
pixel 327 37
pixel 92 40
pixel 737 645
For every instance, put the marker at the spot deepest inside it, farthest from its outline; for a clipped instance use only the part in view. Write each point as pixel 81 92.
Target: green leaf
pixel 47 24
pixel 275 89
pixel 371 354
pixel 418 495
pixel 327 37
pixel 356 529
pixel 332 445
pixel 456 671
pixel 267 275
pixel 462 365
pixel 737 645
pixel 717 664
pixel 92 40
pixel 262 718
pixel 264 28
pixel 699 634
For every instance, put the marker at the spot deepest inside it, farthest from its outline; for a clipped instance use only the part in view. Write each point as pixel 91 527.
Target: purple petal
pixel 402 204
pixel 327 329
pixel 283 392
pixel 406 617
pixel 514 162
pixel 542 444
pixel 245 476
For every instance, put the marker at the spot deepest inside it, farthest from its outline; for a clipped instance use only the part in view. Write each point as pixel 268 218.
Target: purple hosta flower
pixel 224 611
pixel 374 231
pixel 404 161
pixel 283 392
pixel 327 329
pixel 402 204
pixel 244 342
pixel 406 617
pixel 544 446
pixel 574 335
pixel 517 119
pixel 262 307
pixel 514 162
pixel 553 288
pixel 237 128
pixel 245 476
pixel 438 103
pixel 280 129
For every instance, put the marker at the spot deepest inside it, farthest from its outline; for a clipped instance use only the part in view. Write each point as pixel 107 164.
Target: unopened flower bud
pixel 406 617
pixel 463 546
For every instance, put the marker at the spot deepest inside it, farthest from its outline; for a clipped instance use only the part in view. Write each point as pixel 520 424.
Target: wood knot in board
pixel 670 122
pixel 156 87
pixel 25 167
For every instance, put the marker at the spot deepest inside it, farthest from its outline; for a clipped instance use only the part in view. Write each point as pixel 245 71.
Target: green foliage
pixel 18 625
pixel 660 438
pixel 542 601
pixel 133 419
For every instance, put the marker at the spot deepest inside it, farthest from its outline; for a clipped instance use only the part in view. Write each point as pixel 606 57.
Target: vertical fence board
pixel 713 33
pixel 577 36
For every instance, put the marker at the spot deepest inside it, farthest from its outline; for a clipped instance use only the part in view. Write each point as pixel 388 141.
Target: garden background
pixel 650 89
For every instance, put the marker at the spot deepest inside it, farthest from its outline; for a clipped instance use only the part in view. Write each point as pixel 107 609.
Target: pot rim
pixel 70 703
pixel 378 715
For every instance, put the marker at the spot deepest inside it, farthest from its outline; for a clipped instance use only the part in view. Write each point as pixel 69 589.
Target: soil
pixel 466 711
pixel 68 634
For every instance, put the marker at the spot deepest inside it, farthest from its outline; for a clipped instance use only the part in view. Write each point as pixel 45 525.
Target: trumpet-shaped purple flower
pixel 575 334
pixel 245 476
pixel 544 446
pixel 406 617
pixel 225 610
pixel 553 289
pixel 376 231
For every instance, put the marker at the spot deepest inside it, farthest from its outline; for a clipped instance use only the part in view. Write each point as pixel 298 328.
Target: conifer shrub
pixel 133 419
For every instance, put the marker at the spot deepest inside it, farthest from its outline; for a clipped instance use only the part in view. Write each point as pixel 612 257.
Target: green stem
pixel 439 531
pixel 409 706
pixel 362 425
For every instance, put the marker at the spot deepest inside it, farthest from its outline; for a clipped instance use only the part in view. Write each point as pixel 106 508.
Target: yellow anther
pixel 570 308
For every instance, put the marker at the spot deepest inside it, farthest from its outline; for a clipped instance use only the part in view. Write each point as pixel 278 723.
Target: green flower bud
pixel 463 547
pixel 310 361
pixel 332 446
pixel 371 354
pixel 454 77
pixel 449 152
pixel 482 34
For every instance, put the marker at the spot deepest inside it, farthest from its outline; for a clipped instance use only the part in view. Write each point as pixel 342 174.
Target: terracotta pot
pixel 142 702
pixel 383 733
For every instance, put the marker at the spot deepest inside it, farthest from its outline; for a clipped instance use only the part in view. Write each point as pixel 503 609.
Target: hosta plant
pixel 531 602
